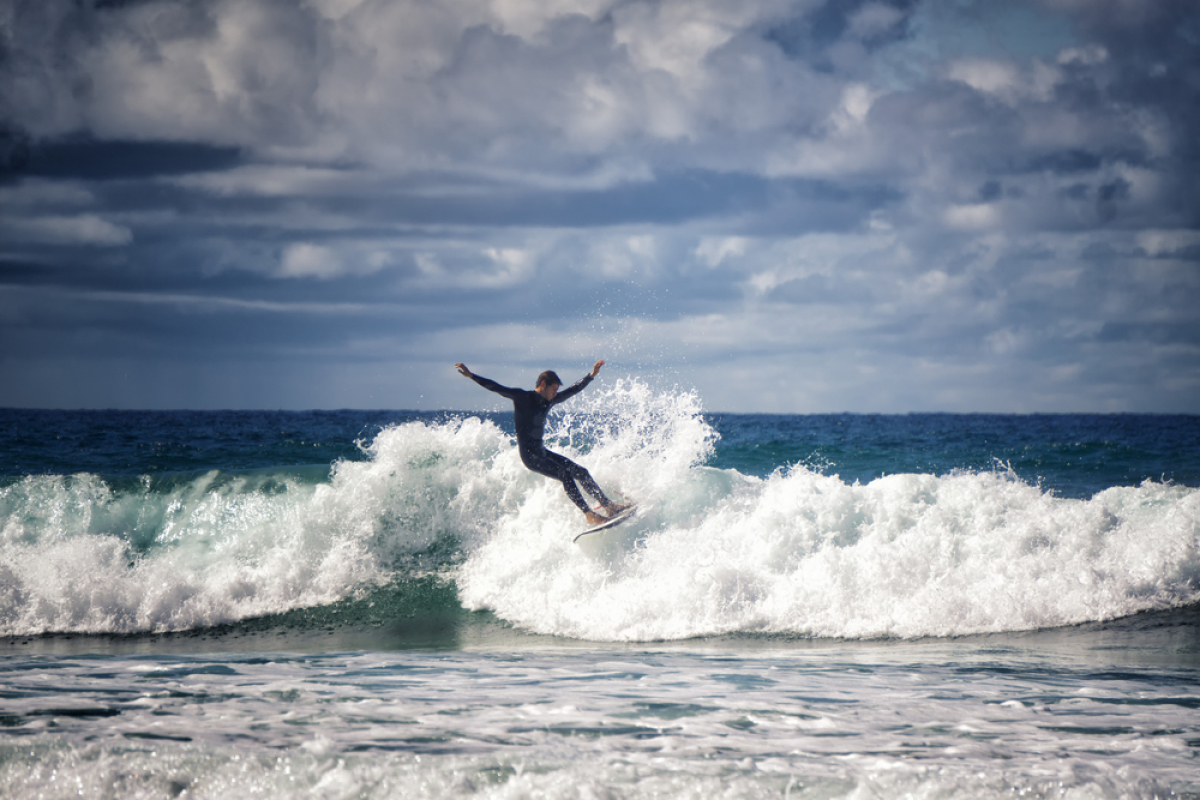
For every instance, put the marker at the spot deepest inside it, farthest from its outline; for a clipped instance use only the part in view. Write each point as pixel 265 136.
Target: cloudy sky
pixel 786 205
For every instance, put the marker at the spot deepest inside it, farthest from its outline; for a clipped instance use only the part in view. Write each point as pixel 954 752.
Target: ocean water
pixel 387 604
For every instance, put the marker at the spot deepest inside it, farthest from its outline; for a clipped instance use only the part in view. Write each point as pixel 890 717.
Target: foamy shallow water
pixel 921 720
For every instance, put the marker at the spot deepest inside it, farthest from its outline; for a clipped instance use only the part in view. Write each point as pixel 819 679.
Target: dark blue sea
pixel 353 604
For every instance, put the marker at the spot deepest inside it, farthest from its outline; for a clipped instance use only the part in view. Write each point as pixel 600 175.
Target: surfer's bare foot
pixel 615 508
pixel 595 519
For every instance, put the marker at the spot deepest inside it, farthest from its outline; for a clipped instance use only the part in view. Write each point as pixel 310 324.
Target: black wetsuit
pixel 529 420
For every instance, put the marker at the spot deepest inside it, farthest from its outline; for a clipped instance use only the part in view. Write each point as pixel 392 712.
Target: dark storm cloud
pixel 90 160
pixel 1152 332
pixel 670 197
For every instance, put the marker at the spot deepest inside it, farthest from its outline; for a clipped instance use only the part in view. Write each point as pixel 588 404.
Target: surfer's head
pixel 547 384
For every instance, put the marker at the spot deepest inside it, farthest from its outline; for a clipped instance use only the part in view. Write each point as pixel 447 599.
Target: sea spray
pixel 804 553
pixel 78 555
pixel 797 551
pixel 196 554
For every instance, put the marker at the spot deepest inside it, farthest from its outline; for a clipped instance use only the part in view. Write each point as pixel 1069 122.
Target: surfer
pixel 529 419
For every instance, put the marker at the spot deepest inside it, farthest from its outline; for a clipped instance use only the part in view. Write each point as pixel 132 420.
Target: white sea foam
pixel 715 551
pixel 806 553
pixel 586 723
pixel 75 555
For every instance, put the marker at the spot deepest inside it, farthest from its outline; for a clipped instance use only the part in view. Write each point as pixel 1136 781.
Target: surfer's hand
pixel 596 368
pixel 462 370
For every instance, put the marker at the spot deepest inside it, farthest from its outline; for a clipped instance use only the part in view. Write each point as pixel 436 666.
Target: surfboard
pixel 611 522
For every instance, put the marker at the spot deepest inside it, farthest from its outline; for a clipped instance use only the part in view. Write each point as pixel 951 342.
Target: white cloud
pixel 622 257
pixel 1167 243
pixel 407 85
pixel 1089 55
pixel 676 36
pixel 714 251
pixel 342 258
pixel 79 229
pixel 305 260
pixel 277 180
pixel 512 266
pixel 873 19
pixel 529 18
pixel 41 193
pixel 973 216
pixel 989 76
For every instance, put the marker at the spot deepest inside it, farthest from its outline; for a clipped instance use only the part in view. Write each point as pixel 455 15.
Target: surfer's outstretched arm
pixel 566 394
pixel 488 383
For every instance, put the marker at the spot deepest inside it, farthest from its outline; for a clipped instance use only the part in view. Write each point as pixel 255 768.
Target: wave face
pixel 797 551
pixel 83 553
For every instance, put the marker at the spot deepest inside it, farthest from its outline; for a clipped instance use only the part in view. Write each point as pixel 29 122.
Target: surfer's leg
pixel 579 474
pixel 552 465
pixel 590 486
pixel 572 490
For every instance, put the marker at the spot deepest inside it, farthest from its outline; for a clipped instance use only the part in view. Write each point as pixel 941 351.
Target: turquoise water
pixel 366 604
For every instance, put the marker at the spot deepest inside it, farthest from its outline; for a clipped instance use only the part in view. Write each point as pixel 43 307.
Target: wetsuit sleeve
pixel 492 386
pixel 567 394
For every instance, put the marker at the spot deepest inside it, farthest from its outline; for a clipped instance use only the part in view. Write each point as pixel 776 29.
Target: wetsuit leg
pixel 563 469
